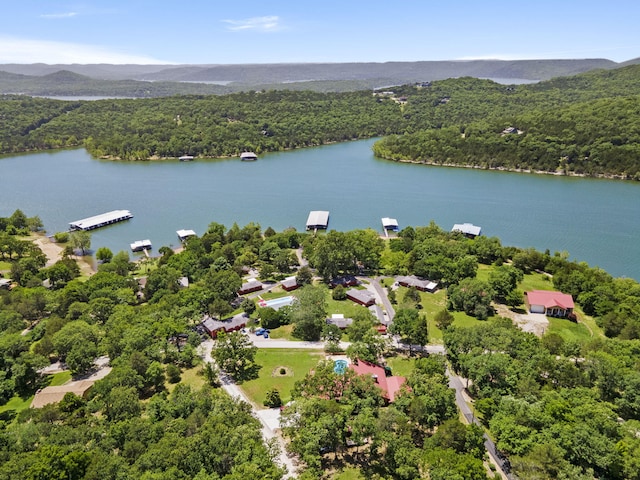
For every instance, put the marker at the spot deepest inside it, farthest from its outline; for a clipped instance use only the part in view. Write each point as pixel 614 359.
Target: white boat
pixel 186 158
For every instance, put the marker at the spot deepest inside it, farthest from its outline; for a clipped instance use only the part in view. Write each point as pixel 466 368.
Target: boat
pixel 248 157
pixel 186 158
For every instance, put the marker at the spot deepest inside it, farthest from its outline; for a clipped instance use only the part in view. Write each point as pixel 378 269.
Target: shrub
pixel 273 399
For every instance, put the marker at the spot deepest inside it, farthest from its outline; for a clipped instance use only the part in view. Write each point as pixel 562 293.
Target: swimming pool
pixel 276 303
pixel 340 366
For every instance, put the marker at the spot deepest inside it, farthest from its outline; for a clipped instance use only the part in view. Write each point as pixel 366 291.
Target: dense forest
pixel 586 124
pixel 557 406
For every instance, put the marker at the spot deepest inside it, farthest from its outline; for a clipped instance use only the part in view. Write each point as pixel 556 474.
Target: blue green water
pixel 597 221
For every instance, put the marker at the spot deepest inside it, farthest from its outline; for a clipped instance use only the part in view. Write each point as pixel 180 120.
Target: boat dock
pixel 389 225
pixel 318 219
pixel 184 234
pixel 467 229
pixel 101 220
pixel 248 157
pixel 141 245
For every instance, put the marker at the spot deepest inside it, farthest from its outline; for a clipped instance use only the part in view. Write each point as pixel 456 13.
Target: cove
pixel 595 220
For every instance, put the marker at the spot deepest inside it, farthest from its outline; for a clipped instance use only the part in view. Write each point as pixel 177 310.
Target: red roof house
pixel 390 386
pixel 554 304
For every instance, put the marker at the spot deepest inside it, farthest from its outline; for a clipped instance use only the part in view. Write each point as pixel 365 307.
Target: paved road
pixel 383 298
pixel 504 467
pixel 266 417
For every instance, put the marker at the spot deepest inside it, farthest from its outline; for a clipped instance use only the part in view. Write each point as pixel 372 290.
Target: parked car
pixel 260 331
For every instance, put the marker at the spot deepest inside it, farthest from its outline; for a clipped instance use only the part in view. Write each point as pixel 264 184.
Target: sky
pixel 294 31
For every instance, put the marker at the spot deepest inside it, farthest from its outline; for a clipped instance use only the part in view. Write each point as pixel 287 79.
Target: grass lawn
pixel 189 377
pixel 5 266
pixel 59 379
pixel 21 403
pixel 568 330
pixel 349 473
pixel 536 281
pixel 283 333
pixel 297 363
pixel 400 365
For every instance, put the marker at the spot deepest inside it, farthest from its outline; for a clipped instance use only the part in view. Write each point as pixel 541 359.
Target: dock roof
pixel 389 223
pixel 185 233
pixel 318 219
pixel 100 220
pixel 467 229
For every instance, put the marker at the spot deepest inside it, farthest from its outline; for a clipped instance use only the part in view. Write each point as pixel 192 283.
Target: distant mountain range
pixel 163 80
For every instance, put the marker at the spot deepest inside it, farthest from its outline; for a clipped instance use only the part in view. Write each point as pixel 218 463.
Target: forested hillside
pixel 587 124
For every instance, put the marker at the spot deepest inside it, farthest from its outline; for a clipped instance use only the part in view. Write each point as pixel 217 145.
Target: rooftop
pixel 467 229
pixel 550 299
pixel 99 220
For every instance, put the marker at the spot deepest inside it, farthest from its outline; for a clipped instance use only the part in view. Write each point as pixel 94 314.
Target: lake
pixel 595 220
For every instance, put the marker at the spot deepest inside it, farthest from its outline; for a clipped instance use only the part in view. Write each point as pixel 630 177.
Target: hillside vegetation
pixel 586 124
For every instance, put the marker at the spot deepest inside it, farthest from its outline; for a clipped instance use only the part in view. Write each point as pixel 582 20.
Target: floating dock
pixel 318 219
pixel 102 220
pixel 389 225
pixel 467 229
pixel 141 245
pixel 248 157
pixel 184 234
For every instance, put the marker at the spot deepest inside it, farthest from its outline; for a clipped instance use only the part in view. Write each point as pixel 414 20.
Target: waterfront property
pixel 140 245
pixel 553 304
pixel 417 283
pixel 184 234
pixel 363 297
pixel 467 229
pixel 101 220
pixel 318 219
pixel 248 157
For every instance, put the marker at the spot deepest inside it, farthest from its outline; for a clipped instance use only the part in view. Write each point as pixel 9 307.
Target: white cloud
pixel 22 50
pixel 269 23
pixel 59 15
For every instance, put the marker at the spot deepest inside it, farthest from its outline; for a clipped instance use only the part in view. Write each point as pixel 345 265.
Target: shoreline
pixel 600 176
pixel 53 252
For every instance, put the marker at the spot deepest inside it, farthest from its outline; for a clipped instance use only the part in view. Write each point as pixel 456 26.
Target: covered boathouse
pixel 248 157
pixel 184 234
pixel 467 229
pixel 390 224
pixel 101 220
pixel 318 219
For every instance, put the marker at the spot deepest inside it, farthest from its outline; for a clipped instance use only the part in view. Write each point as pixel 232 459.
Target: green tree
pixel 235 354
pixel 104 255
pixel 273 399
pixel 80 240
pixel 309 312
pixel 471 296
pixel 444 319
pixel 411 327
